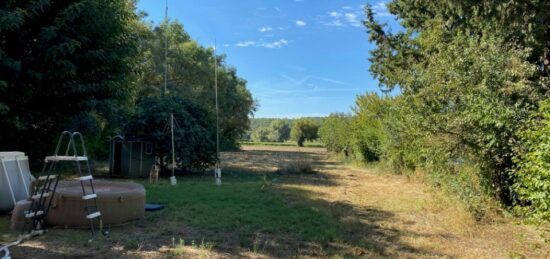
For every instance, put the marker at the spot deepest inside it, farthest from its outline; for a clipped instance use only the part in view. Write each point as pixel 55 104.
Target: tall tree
pixel 303 130
pixel 191 75
pixel 474 70
pixel 63 65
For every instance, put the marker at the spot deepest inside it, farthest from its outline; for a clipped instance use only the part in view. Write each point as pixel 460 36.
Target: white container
pixel 15 179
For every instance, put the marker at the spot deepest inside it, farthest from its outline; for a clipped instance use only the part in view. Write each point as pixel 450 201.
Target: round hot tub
pixel 118 202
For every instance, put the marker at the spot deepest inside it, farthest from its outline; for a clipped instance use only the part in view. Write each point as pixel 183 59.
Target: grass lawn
pixel 341 211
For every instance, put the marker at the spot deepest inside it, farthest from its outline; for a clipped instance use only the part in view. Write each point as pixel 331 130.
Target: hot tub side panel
pixel 68 210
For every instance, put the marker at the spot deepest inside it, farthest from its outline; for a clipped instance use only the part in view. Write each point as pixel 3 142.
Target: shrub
pixel 334 133
pixel 303 130
pixel 296 167
pixel 532 173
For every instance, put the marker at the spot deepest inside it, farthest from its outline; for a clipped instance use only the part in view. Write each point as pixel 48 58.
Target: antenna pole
pixel 218 171
pixel 217 108
pixel 173 178
pixel 166 49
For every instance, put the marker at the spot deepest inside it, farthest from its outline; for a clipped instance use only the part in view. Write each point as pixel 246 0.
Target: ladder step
pixel 37 196
pixel 44 177
pixel 85 178
pixel 33 214
pixel 89 196
pixel 66 158
pixel 93 215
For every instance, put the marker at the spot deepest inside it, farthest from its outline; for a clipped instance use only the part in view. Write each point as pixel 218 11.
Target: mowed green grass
pixel 245 203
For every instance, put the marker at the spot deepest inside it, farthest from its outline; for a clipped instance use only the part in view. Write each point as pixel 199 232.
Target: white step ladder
pixel 38 213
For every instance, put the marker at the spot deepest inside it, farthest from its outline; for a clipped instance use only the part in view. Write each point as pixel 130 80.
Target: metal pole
pixel 166 49
pixel 218 171
pixel 173 178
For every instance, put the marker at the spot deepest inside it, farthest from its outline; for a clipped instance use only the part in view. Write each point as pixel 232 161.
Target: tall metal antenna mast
pixel 166 49
pixel 218 171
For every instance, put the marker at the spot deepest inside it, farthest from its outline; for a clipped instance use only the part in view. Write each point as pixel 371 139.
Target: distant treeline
pixel 473 109
pixel 283 130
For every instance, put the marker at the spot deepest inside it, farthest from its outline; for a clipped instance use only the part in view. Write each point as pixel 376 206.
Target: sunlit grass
pixel 242 203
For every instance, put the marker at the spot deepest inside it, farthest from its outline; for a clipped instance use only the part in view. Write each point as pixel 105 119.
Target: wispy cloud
pixel 245 43
pixel 300 23
pixel 346 16
pixel 352 19
pixel 265 29
pixel 381 9
pixel 275 44
pixel 311 77
pixel 269 45
pixel 335 14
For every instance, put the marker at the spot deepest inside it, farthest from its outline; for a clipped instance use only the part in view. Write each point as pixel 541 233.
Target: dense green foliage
pixel 88 66
pixel 191 76
pixel 471 76
pixel 63 65
pixel 304 130
pixel 264 127
pixel 194 136
pixel 532 175
pixel 276 131
pixel 334 133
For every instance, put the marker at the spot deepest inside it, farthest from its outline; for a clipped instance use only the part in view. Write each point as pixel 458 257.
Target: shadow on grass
pixel 247 214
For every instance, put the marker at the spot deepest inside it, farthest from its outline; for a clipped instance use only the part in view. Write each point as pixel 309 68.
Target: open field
pixel 341 211
pixel 284 144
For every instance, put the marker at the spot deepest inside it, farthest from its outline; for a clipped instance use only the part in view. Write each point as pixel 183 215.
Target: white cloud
pixel 335 14
pixel 275 44
pixel 311 77
pixel 381 9
pixel 269 45
pixel 346 16
pixel 352 19
pixel 265 29
pixel 245 43
pixel 300 23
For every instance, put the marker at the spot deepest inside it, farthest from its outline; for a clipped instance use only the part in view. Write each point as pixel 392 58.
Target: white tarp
pixel 15 179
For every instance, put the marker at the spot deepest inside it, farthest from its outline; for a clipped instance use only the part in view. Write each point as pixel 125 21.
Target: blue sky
pixel 300 57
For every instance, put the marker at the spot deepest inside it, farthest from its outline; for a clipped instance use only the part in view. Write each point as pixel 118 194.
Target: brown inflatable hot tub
pixel 118 202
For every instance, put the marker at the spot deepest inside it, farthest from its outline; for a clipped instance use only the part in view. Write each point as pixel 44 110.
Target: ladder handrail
pixel 60 141
pixel 79 135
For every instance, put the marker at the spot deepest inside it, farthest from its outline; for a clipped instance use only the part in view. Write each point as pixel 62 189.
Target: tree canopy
pixel 63 65
pixel 93 66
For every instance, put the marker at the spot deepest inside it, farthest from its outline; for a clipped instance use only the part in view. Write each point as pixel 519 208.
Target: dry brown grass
pixel 379 214
pixel 412 220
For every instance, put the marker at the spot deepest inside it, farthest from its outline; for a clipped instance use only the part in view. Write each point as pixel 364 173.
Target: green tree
pixel 335 133
pixel 304 130
pixel 191 76
pixel 473 79
pixel 194 136
pixel 532 174
pixel 261 134
pixel 279 131
pixel 63 65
